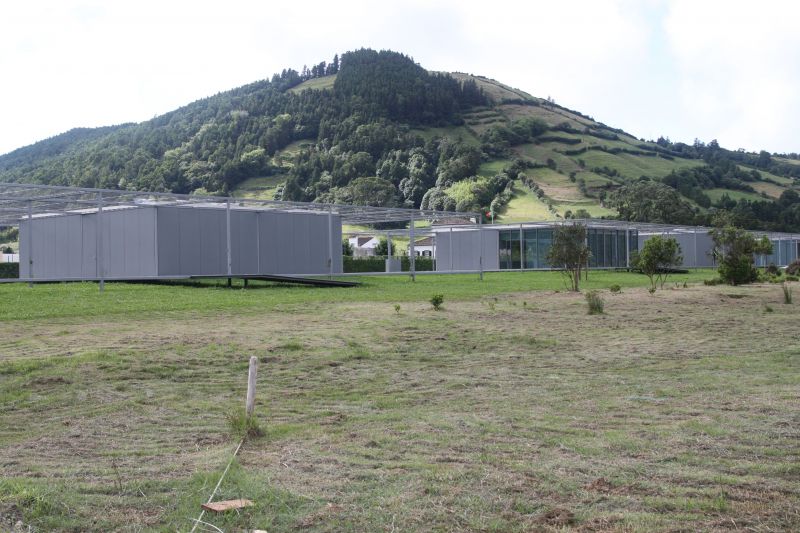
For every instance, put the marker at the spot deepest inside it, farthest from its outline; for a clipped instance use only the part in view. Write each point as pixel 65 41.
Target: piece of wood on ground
pixel 227 505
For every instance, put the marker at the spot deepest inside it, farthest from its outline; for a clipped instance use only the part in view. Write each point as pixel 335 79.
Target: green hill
pixel 376 128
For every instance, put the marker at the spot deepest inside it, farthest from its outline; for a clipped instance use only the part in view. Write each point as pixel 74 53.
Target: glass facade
pixel 607 247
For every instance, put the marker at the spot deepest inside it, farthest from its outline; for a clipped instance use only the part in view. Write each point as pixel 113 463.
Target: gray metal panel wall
pixel 244 242
pixel 297 243
pixel 57 247
pixel 463 251
pixel 129 242
pixel 193 241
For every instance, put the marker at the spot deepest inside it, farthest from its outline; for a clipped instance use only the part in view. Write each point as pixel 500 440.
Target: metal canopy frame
pixel 24 200
pixel 646 228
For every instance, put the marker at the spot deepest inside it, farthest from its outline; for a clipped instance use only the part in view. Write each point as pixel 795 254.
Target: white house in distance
pixel 363 245
pixel 425 247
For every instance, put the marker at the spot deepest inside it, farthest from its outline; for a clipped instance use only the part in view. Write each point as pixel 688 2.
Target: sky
pixel 684 69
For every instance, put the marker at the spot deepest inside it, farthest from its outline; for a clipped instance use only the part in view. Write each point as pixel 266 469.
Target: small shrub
pixel 615 289
pixel 595 302
pixel 787 293
pixel 436 301
pixel 491 305
pixel 685 285
pixel 792 278
pixel 772 270
pixel 794 268
pixel 397 308
pixel 712 282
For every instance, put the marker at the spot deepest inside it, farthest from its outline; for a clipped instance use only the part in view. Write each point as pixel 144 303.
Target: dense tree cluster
pixel 215 143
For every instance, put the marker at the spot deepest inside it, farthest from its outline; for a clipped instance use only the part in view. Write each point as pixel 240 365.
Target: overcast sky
pixel 726 70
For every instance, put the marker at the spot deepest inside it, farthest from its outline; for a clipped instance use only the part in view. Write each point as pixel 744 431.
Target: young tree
pixel 347 248
pixel 735 250
pixel 657 257
pixel 569 252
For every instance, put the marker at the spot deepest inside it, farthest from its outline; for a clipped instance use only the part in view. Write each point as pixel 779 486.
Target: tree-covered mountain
pixel 376 128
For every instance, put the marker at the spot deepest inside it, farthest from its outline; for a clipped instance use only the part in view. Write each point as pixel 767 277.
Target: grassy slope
pixel 325 82
pixel 490 415
pixel 565 194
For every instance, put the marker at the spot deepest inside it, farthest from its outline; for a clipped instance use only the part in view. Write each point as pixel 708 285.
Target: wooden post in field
pixel 250 405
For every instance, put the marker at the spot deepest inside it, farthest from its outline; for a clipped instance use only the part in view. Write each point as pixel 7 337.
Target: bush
pixel 787 293
pixel 792 278
pixel 773 270
pixel 436 301
pixel 712 282
pixel 595 302
pixel 794 268
pixel 615 289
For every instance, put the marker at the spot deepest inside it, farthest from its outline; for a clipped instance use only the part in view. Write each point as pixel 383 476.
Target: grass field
pixel 716 194
pixel 509 410
pixel 525 206
pixel 259 188
pixel 325 82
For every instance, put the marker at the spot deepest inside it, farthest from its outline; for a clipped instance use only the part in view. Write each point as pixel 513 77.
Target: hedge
pixel 9 270
pixel 378 264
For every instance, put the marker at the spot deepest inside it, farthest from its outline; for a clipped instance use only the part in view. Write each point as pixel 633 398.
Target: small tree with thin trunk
pixel 569 253
pixel 657 258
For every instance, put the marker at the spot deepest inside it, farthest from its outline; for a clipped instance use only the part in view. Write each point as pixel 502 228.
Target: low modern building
pixel 612 243
pixel 176 241
pixel 69 233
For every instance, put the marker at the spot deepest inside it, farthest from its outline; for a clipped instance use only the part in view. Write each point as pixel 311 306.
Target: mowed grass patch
pixel 525 206
pixel 508 410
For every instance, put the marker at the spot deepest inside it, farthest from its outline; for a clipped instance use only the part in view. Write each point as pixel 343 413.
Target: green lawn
pixel 509 410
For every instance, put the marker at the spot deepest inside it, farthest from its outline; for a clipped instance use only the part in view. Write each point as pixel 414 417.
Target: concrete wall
pixel 67 246
pixel 695 253
pixel 460 250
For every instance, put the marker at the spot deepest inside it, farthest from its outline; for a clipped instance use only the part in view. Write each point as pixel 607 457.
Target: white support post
pixel 330 242
pixel 412 253
pixel 228 238
pixel 250 403
pixel 30 243
pixel 480 240
pixel 101 267
pixel 521 250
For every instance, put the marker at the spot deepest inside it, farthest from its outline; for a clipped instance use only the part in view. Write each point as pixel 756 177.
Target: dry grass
pixel 507 412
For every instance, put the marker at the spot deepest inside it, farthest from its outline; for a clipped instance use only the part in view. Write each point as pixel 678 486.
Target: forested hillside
pixel 376 128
